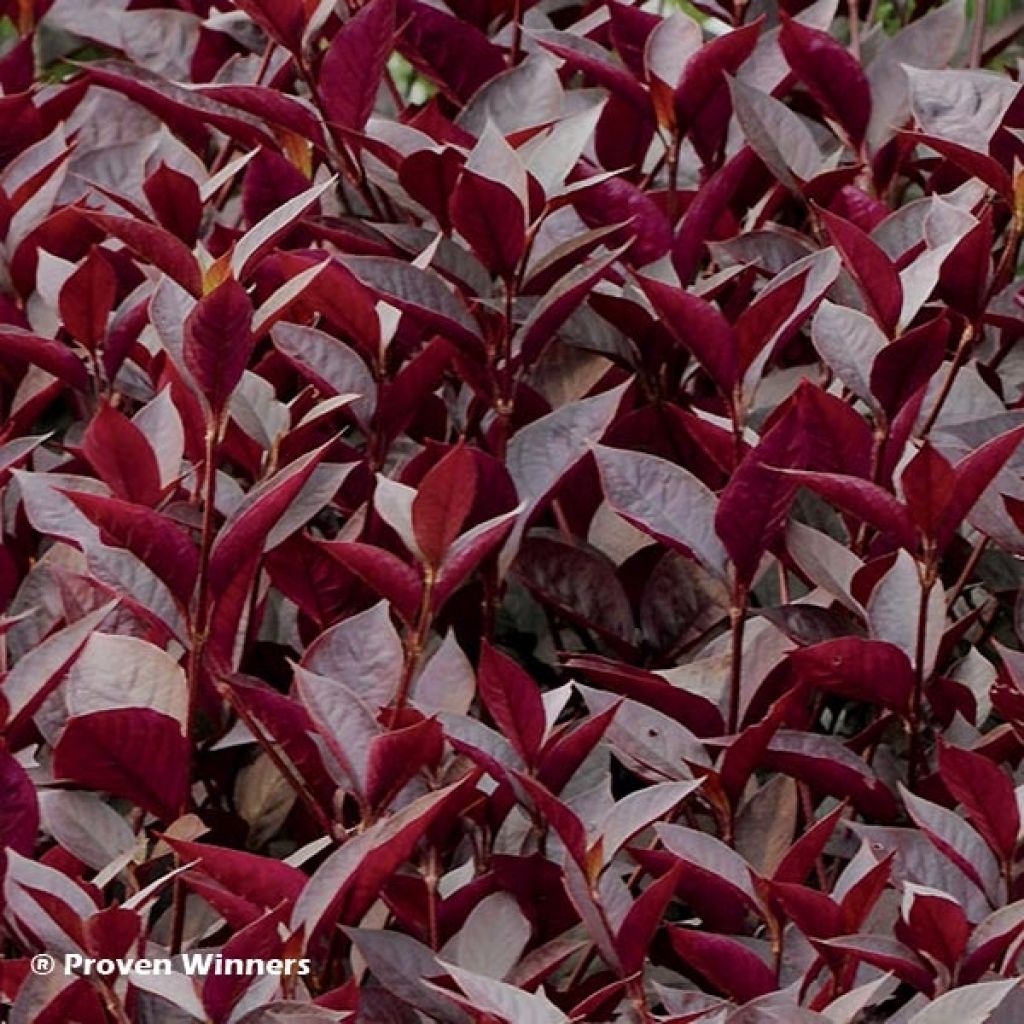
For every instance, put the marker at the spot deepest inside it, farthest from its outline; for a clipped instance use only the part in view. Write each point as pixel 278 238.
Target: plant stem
pixel 978 34
pixel 777 940
pixel 350 165
pixel 112 1005
pixel 968 569
pixel 947 385
pixel 201 620
pixel 635 876
pixel 517 33
pixel 268 746
pixel 414 646
pixel 431 877
pixel 807 808
pixel 638 995
pixel 928 578
pixel 1010 254
pixel 737 622
pixel 504 386
pixel 200 628
pixel 736 414
pixel 853 16
pixel 581 968
pixel 672 160
pixel 784 595
pixel 881 439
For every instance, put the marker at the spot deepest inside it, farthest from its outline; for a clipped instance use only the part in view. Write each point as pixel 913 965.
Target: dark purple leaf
pixel 134 753
pixel 831 74
pixel 355 64
pixel 218 341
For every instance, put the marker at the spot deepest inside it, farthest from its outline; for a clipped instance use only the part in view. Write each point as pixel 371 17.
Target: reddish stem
pixel 200 627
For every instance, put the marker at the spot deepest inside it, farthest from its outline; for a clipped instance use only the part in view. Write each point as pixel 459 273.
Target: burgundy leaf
pixel 579 582
pixel 561 818
pixel 863 500
pixel 711 866
pixel 780 138
pixel 564 753
pixel 693 710
pixel 702 214
pixel 705 72
pixel 991 938
pixel 905 365
pixel 646 229
pixel 886 953
pixel 19 813
pixel 443 501
pixel 153 245
pixel 871 269
pixel 597 64
pixel 696 324
pixel 42 668
pixel 799 860
pixel 176 201
pixel 488 205
pixel 21 347
pixel 346 726
pixel 348 882
pixel 271 180
pixel 154 539
pixel 394 758
pixel 513 701
pixel 355 64
pixel 259 941
pixel 965 278
pixel 339 353
pixel 134 753
pixel 560 302
pixel 386 573
pixel 818 916
pixel 450 51
pixel 287 722
pixel 218 341
pixel 123 457
pixel 429 176
pixel 644 918
pixel 978 164
pixel 936 924
pixel 87 298
pixel 928 483
pixel 973 474
pixel 831 74
pixel 245 534
pixel 329 363
pixel 250 249
pixel 987 794
pixel 814 430
pixel 863 670
pixel 955 839
pixel 829 766
pixel 730 966
pixel 263 881
pixel 420 293
pixel 760 324
pixel 281 19
pixel 468 552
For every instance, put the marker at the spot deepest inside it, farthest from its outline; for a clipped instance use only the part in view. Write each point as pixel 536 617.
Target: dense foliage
pixel 519 504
